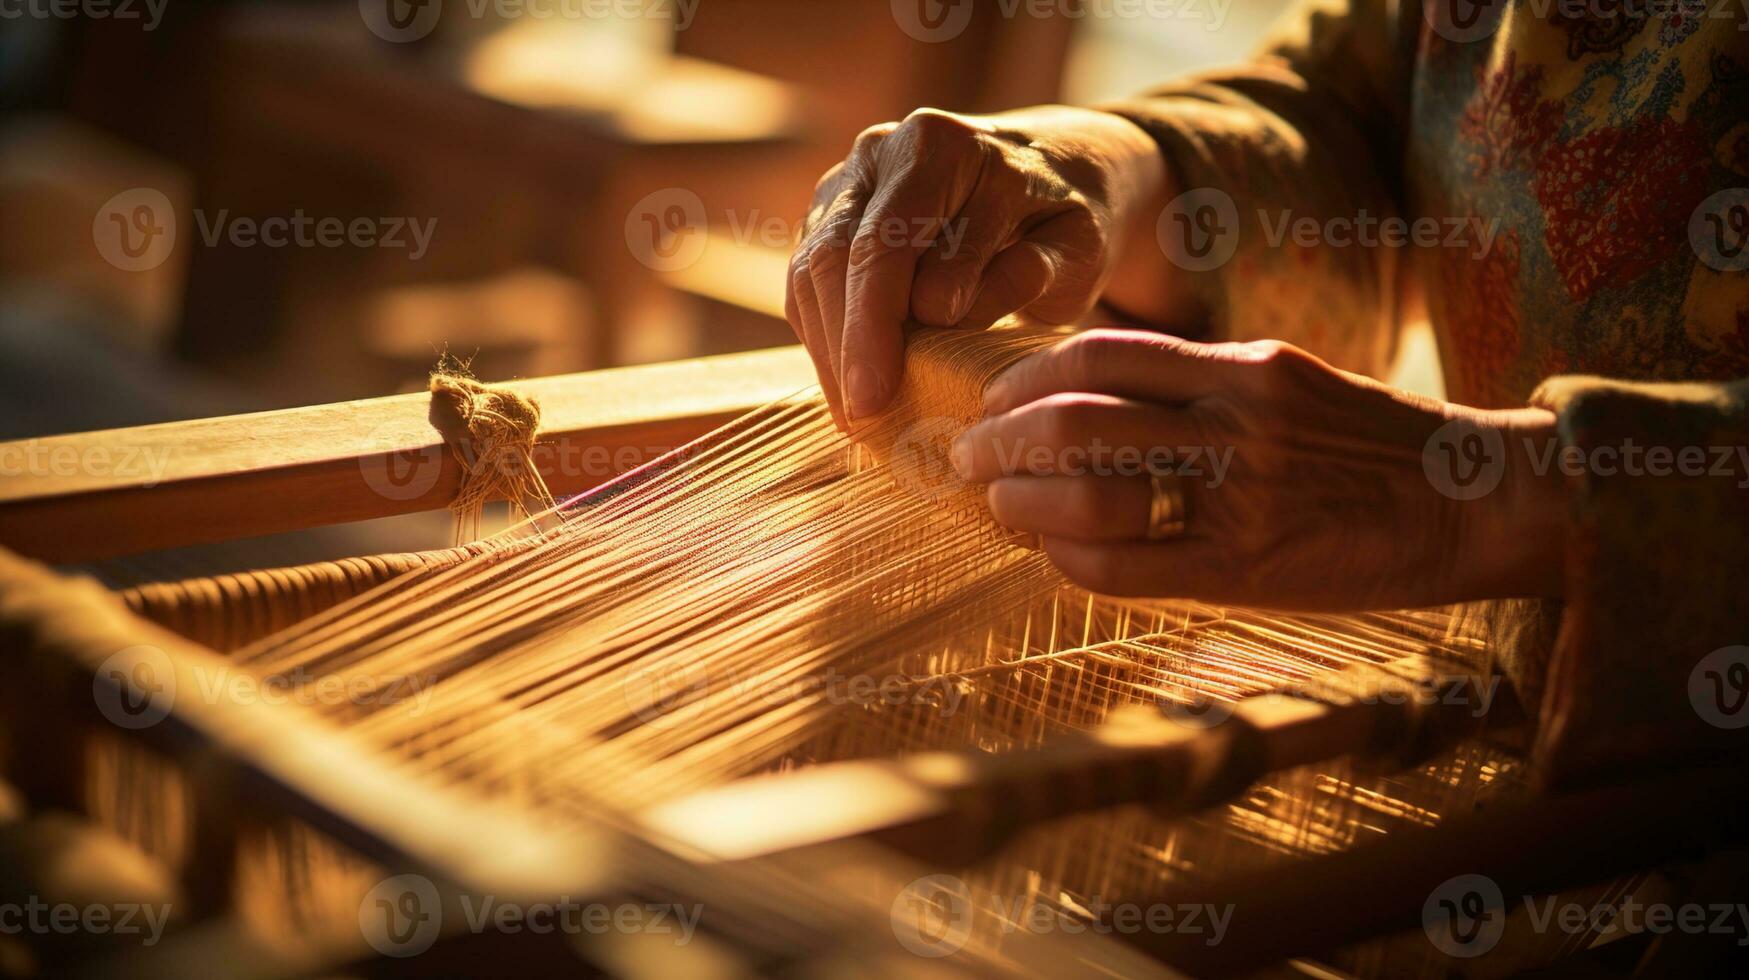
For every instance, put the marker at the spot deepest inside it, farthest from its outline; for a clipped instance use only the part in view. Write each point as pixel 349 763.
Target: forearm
pixel 1295 151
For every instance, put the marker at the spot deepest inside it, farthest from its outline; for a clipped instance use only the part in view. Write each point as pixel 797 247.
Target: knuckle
pixel 868 246
pixel 872 137
pixel 824 258
pixel 933 127
pixel 1085 356
pixel 1277 370
pixel 1059 425
pixel 963 252
pixel 1084 507
pixel 827 186
pixel 799 275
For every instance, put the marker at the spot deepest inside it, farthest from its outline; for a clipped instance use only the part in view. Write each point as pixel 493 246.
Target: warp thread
pixel 491 431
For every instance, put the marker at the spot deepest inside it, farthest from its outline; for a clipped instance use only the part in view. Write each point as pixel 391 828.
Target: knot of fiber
pixel 492 433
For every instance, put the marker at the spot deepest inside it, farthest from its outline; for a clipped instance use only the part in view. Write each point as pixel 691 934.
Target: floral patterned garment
pixel 1579 173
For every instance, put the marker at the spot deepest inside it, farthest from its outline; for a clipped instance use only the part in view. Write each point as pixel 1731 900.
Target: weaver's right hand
pixel 957 220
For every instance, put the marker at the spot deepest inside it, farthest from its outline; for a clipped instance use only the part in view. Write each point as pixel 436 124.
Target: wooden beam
pixel 96 495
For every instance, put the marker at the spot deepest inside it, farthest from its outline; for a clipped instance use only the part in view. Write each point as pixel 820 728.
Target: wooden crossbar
pixel 96 495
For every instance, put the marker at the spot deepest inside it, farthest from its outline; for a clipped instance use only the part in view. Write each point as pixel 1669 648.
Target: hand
pixel 1305 485
pixel 958 221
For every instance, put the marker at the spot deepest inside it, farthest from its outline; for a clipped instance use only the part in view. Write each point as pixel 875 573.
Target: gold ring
pixel 1166 511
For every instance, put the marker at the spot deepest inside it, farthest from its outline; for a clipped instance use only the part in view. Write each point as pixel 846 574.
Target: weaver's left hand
pixel 1304 485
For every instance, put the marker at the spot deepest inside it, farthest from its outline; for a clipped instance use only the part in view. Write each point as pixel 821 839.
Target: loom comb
pixel 955 808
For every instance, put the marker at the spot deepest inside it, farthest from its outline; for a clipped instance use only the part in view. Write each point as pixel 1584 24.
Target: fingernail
pixel 864 392
pixel 960 455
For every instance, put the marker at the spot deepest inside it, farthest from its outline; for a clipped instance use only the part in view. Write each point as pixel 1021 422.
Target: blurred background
pixel 212 208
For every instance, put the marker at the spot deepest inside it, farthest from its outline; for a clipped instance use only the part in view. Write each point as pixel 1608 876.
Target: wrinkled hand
pixel 959 221
pixel 1305 485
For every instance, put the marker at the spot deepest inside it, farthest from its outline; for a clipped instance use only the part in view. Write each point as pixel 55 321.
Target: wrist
pixel 1515 537
pixel 1138 281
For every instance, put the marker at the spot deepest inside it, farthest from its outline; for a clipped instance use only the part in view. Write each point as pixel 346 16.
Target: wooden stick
pixel 955 808
pixel 73 641
pixel 1536 846
pixel 96 495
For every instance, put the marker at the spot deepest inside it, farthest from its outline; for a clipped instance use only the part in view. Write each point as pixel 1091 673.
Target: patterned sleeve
pixel 1312 128
pixel 1651 662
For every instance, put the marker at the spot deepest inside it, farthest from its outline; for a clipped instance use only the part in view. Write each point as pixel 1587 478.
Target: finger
pixel 1015 279
pixel 1126 363
pixel 1087 508
pixel 828 259
pixel 896 228
pixel 803 312
pixel 1182 568
pixel 1072 434
pixel 951 273
pixel 1045 275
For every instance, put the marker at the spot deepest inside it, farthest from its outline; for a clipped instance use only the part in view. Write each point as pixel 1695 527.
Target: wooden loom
pixel 251 766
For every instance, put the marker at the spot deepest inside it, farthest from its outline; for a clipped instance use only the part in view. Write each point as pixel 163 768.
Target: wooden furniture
pixel 74 648
pixel 103 494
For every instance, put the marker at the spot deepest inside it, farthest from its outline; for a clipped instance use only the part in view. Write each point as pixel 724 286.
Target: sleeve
pixel 1314 127
pixel 1651 662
